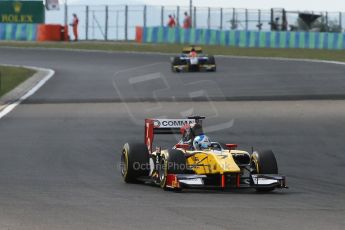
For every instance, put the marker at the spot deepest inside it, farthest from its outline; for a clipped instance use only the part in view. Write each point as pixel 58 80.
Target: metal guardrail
pixel 118 22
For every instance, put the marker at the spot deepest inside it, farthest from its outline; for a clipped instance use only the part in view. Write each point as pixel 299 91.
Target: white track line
pixel 33 90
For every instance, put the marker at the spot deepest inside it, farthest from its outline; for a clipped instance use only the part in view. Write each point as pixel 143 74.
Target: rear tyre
pixel 175 163
pixel 264 162
pixel 134 162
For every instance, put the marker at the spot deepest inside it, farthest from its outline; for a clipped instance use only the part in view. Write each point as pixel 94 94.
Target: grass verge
pixel 10 77
pixel 317 54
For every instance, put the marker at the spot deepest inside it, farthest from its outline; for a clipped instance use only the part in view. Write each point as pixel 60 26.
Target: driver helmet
pixel 201 142
pixel 192 52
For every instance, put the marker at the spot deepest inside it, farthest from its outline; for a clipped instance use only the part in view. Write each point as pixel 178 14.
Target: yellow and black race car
pixel 192 164
pixel 193 60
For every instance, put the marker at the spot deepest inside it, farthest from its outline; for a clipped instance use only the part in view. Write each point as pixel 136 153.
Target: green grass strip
pixel 10 77
pixel 319 54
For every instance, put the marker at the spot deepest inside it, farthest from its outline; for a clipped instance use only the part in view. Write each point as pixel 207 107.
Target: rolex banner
pixel 52 5
pixel 21 12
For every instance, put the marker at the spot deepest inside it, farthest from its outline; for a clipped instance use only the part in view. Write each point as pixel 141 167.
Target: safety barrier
pixel 18 32
pixel 33 32
pixel 52 33
pixel 236 38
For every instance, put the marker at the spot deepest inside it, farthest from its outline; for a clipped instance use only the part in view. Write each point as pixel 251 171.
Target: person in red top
pixel 187 22
pixel 75 26
pixel 172 22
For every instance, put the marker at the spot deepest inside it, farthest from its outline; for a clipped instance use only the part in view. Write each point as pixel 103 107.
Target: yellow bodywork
pixel 212 162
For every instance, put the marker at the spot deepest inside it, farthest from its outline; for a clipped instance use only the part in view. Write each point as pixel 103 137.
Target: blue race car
pixel 193 60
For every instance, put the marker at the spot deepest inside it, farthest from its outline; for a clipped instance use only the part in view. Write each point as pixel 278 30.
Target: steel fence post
pixel 144 16
pixel 93 24
pixel 284 21
pixel 191 10
pixel 272 19
pixel 209 18
pixel 194 18
pixel 126 22
pixel 259 20
pixel 341 21
pixel 327 28
pixel 178 16
pixel 87 23
pixel 106 22
pixel 246 18
pixel 233 19
pixel 221 19
pixel 66 13
pixel 162 16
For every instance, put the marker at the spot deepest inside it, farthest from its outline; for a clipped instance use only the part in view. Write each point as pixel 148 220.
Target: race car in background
pixel 217 166
pixel 186 62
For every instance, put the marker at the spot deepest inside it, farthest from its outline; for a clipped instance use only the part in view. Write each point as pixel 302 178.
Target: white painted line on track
pixel 8 108
pixel 143 78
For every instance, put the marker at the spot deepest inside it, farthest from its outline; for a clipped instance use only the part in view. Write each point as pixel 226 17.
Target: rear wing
pixel 187 50
pixel 166 126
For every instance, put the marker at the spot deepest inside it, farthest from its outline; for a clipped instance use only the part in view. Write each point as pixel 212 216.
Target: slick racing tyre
pixel 212 61
pixel 175 62
pixel 134 162
pixel 175 163
pixel 264 162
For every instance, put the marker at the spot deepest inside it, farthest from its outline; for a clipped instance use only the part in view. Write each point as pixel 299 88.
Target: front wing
pixel 186 67
pixel 227 181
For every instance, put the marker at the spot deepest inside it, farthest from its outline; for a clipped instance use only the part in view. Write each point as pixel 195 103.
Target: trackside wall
pixel 33 32
pixel 18 32
pixel 245 39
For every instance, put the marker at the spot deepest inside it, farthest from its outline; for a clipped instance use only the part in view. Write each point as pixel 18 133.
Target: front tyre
pixel 264 162
pixel 175 62
pixel 212 61
pixel 134 162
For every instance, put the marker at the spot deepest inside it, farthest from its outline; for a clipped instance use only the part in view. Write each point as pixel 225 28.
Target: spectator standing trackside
pixel 74 25
pixel 171 22
pixel 187 22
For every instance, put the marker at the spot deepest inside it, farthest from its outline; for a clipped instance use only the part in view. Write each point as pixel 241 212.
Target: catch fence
pixel 118 22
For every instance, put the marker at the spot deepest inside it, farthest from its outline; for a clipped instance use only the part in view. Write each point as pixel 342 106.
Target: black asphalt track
pixel 60 149
pixel 90 77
